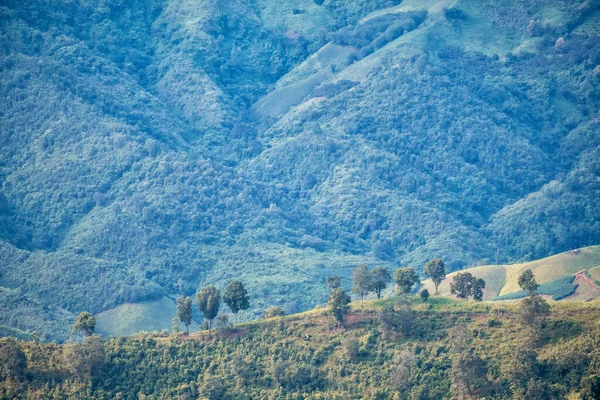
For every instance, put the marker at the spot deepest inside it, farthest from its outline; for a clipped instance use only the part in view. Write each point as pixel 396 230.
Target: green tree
pixel 273 311
pixel 465 285
pixel 528 283
pixel 380 276
pixel 236 298
pixel 339 304
pixel 209 301
pixel 184 311
pixel 534 310
pixel 424 295
pixel 461 285
pixel 436 270
pixel 405 279
pixel 362 281
pixel 85 323
pixel 333 282
pixel 477 289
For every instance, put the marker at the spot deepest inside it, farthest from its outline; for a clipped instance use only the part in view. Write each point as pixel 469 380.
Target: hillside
pixel 502 280
pixel 444 349
pixel 150 147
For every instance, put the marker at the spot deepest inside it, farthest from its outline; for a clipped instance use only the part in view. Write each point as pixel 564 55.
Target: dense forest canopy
pixel 150 147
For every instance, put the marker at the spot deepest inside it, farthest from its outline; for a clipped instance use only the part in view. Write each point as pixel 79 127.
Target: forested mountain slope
pixel 148 147
pixel 442 349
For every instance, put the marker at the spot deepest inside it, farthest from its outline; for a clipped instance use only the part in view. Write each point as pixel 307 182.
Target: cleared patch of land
pixel 503 279
pixel 131 318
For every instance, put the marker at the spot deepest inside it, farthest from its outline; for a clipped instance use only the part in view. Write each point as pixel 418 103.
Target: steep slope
pixel 147 148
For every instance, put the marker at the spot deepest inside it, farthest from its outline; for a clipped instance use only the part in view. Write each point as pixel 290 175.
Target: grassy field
pixel 503 279
pixel 131 318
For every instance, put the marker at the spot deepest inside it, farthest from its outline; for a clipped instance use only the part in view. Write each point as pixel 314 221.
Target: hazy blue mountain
pixel 149 147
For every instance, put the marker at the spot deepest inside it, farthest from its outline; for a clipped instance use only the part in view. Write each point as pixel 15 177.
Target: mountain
pixel 151 147
pixel 440 350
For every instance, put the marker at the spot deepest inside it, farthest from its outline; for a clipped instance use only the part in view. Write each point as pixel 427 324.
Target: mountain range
pixel 151 147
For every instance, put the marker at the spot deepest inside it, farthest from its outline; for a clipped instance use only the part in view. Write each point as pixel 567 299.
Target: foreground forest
pixel 148 148
pixel 399 348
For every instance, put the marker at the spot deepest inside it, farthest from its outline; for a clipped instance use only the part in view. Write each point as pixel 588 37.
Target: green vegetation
pixel 362 282
pixel 559 289
pixel 339 304
pixel 209 301
pixel 528 283
pixel 147 143
pixel 84 323
pixel 534 310
pixel 436 270
pixel 184 312
pixel 406 279
pixel 130 318
pixel 273 312
pixel 465 285
pixel 380 276
pixel 397 350
pixel 236 298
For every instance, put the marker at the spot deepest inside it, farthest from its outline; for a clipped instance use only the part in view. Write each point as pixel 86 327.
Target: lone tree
pixel 465 285
pixel 528 283
pixel 236 298
pixel 405 279
pixel 85 323
pixel 333 282
pixel 339 304
pixel 184 311
pixel 380 276
pixel 209 301
pixel 362 281
pixel 424 295
pixel 436 271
